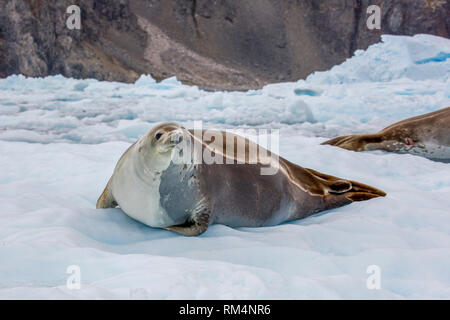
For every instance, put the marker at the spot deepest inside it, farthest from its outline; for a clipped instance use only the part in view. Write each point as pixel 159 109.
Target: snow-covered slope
pixel 60 139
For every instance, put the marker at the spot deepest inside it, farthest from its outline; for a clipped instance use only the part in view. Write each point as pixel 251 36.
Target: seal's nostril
pixel 176 138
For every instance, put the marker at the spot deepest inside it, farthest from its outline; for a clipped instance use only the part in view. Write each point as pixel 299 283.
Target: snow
pixel 60 139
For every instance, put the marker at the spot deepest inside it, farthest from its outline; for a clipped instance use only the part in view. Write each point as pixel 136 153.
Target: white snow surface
pixel 61 138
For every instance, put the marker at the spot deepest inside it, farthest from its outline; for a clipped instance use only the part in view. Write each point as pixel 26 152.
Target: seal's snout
pixel 177 139
pixel 176 136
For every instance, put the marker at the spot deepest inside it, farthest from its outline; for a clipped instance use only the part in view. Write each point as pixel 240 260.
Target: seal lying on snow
pixel 427 135
pixel 186 198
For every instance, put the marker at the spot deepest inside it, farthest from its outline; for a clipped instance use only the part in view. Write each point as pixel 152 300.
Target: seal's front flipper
pixel 106 200
pixel 193 227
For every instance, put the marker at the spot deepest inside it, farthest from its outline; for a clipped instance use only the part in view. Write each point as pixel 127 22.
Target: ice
pixel 418 58
pixel 61 138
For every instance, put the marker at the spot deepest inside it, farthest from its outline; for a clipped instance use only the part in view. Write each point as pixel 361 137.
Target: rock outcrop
pixel 225 44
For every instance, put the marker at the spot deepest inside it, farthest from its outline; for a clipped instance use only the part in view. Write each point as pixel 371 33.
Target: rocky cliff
pixel 226 44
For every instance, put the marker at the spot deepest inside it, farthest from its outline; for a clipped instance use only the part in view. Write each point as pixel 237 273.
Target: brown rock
pixel 225 44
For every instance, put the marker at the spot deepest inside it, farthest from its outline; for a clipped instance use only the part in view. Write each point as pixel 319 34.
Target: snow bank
pixel 420 57
pixel 79 128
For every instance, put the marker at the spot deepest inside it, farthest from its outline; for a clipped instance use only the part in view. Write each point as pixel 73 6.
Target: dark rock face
pixel 226 44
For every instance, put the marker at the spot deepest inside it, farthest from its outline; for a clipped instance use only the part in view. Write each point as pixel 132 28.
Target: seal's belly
pixel 139 199
pixel 429 150
pixel 433 151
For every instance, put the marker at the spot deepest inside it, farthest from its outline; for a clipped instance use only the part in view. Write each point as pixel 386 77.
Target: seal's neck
pixel 148 162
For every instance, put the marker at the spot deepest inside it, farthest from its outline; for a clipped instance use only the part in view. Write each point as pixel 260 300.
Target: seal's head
pixel 166 136
pixel 157 145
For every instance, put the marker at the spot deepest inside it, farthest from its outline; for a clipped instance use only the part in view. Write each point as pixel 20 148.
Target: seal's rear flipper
pixel 338 140
pixel 354 191
pixel 357 142
pixel 362 192
pixel 361 196
pixel 106 199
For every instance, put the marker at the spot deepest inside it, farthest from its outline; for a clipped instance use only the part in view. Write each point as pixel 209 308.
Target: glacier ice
pixel 60 139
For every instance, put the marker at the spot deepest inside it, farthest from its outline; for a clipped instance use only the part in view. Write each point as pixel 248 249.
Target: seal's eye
pixel 158 135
